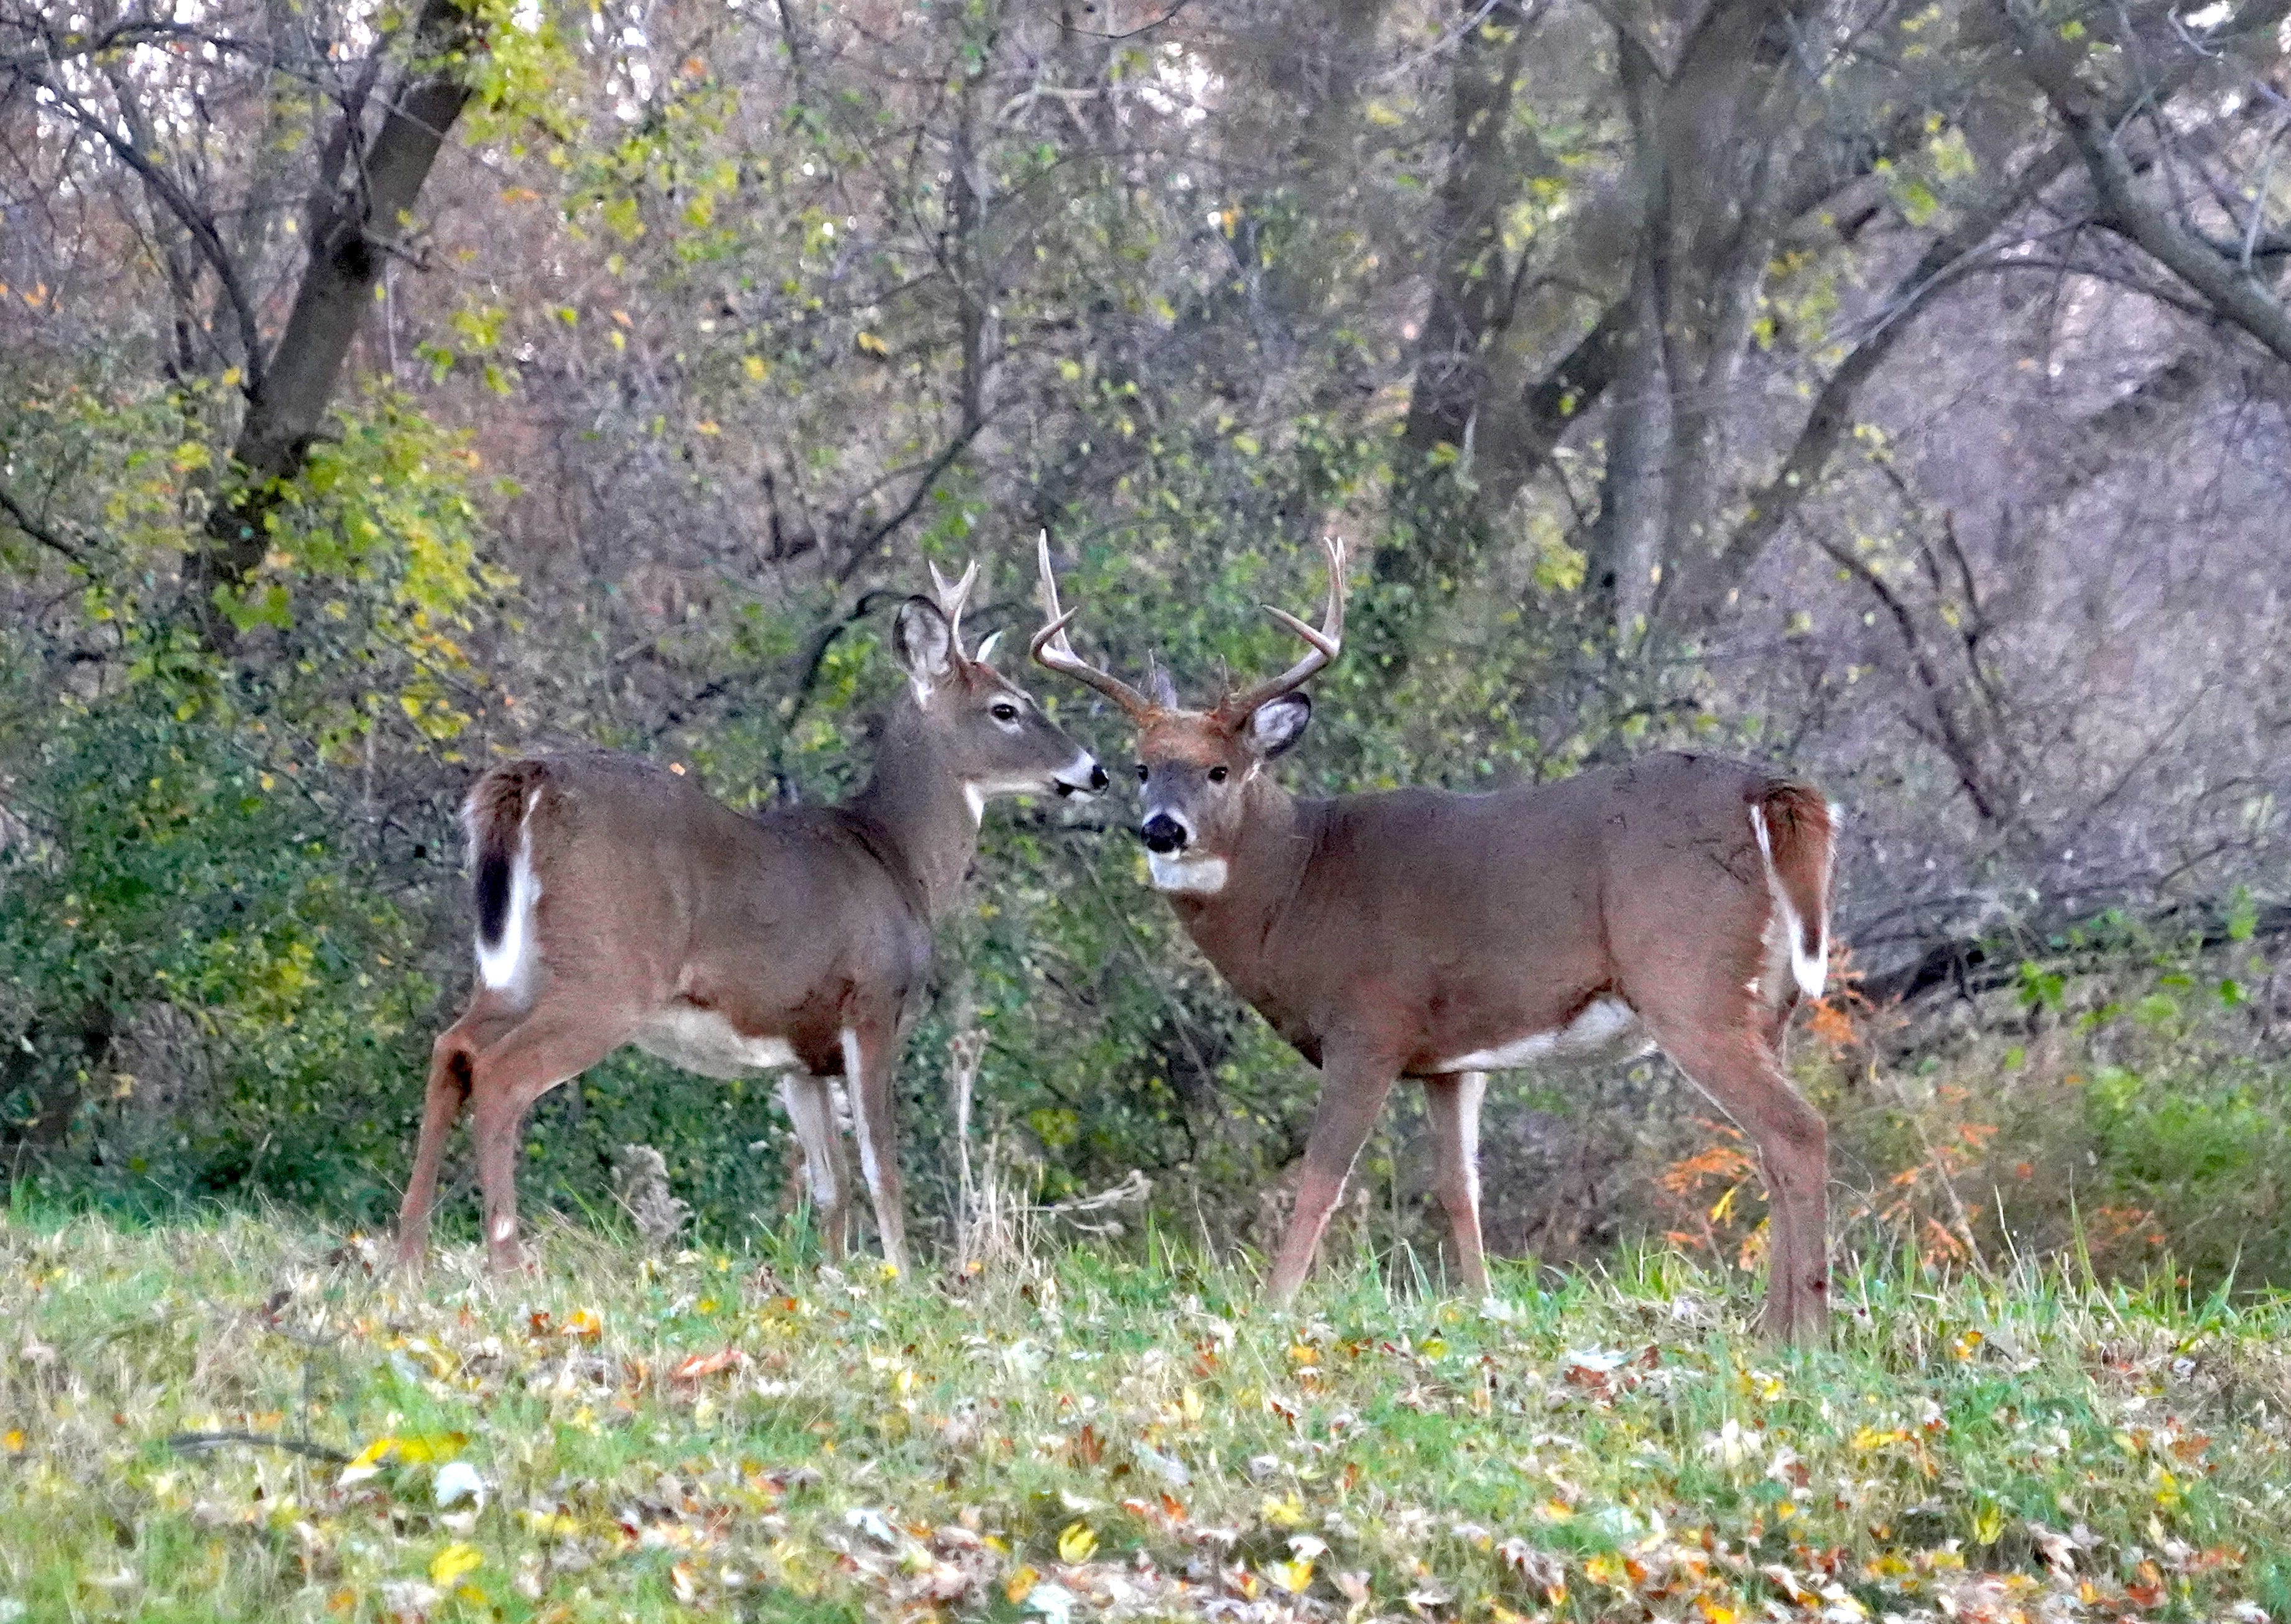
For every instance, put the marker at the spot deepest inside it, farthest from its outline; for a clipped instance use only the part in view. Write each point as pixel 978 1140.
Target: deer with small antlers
pixel 1679 902
pixel 618 903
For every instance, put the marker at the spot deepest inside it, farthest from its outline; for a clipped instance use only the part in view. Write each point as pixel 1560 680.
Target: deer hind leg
pixel 811 1113
pixel 1352 1093
pixel 452 1059
pixel 1737 1066
pixel 1454 1104
pixel 548 1047
pixel 869 1054
pixel 441 1108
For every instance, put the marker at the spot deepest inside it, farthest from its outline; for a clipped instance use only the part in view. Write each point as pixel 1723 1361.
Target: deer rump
pixel 701 965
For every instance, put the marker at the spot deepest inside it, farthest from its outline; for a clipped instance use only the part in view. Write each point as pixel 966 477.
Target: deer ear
pixel 925 644
pixel 1277 723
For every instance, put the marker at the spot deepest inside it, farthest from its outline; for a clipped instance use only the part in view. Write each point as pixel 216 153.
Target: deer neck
pixel 916 806
pixel 1262 877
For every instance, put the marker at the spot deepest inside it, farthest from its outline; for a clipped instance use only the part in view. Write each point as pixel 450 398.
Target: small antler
pixel 1326 643
pixel 1051 649
pixel 952 596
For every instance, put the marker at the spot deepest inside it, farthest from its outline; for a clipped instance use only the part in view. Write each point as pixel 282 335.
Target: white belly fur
pixel 704 1042
pixel 1607 1030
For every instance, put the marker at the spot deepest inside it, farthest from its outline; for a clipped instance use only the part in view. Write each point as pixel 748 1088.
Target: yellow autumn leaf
pixel 1607 1568
pixel 1076 1543
pixel 585 1323
pixel 869 344
pixel 450 1564
pixel 1287 1512
pixel 757 368
pixel 433 1446
pixel 1290 1576
pixel 1021 1585
pixel 13 1441
pixel 367 1463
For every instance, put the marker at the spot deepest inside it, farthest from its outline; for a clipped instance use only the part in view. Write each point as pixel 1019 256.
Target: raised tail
pixel 1796 830
pixel 498 816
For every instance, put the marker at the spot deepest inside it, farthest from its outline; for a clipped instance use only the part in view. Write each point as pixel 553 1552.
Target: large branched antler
pixel 1326 643
pixel 1052 651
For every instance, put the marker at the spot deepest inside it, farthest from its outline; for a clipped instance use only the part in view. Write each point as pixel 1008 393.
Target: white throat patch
pixel 977 792
pixel 1200 876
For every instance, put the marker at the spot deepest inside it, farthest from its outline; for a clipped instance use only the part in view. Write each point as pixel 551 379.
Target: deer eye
pixel 1141 772
pixel 1005 712
pixel 1217 774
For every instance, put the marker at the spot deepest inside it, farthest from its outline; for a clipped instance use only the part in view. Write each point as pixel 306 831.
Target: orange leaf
pixel 706 1364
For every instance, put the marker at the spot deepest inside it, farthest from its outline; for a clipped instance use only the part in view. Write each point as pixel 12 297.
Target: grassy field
pixel 1088 1434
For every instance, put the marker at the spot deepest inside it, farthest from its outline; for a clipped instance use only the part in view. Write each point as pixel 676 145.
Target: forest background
pixel 1894 392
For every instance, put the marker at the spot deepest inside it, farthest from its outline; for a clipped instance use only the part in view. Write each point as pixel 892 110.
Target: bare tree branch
pixel 24 520
pixel 196 221
pixel 2218 272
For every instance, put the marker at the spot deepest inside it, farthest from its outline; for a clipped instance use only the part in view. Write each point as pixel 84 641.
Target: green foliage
pixel 2108 1106
pixel 171 869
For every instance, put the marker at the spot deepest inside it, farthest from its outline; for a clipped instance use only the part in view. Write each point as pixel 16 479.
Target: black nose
pixel 1162 833
pixel 1098 778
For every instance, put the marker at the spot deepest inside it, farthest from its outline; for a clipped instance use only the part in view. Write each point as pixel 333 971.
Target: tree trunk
pixel 366 188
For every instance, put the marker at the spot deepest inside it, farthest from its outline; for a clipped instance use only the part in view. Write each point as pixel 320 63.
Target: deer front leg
pixel 1454 1101
pixel 1353 1091
pixel 811 1112
pixel 868 1057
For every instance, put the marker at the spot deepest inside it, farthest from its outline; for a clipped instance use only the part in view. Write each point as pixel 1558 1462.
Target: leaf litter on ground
pixel 1080 1436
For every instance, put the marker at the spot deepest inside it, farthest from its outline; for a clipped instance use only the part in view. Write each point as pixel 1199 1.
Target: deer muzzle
pixel 1163 835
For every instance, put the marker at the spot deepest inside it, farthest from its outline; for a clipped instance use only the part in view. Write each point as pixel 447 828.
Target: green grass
pixel 1089 1431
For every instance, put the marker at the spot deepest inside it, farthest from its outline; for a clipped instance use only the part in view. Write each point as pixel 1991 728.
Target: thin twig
pixel 22 519
pixel 201 1442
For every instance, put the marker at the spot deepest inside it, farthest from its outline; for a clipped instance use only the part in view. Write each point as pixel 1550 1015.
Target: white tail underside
pixel 503 964
pixel 1809 970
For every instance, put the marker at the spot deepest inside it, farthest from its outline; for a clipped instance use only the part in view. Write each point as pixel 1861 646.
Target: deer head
pixel 988 730
pixel 1200 770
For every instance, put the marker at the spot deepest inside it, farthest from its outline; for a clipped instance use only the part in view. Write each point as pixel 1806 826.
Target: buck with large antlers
pixel 1681 901
pixel 618 903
